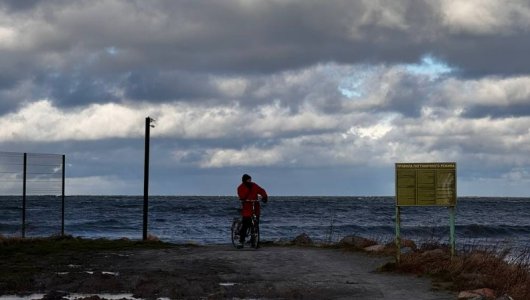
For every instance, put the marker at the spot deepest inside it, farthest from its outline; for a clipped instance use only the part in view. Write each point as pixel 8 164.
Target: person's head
pixel 246 178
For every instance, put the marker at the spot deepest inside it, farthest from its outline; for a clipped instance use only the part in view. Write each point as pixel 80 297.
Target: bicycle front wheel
pixel 255 236
pixel 236 226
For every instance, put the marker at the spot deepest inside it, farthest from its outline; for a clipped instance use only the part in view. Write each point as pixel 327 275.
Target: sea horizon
pixel 234 195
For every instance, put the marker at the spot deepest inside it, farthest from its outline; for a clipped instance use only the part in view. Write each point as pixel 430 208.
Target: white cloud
pixel 486 16
pixel 385 14
pixel 374 132
pixel 232 87
pixel 42 121
pixel 252 156
pixel 7 37
pixel 365 130
pixel 492 91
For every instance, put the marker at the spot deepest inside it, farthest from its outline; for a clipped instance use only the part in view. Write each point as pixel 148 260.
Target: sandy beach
pixel 222 272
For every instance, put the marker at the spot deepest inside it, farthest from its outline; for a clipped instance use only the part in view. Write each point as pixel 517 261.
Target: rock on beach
pixel 302 240
pixel 356 241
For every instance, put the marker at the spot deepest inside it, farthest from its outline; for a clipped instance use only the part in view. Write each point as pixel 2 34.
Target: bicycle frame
pixel 252 230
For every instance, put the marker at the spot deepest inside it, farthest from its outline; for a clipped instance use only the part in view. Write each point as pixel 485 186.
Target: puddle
pixel 227 283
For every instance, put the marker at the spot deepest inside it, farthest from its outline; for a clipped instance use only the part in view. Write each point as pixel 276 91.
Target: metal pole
pixel 25 168
pixel 398 235
pixel 62 195
pixel 146 175
pixel 452 230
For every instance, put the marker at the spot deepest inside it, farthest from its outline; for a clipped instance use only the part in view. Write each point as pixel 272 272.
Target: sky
pixel 308 97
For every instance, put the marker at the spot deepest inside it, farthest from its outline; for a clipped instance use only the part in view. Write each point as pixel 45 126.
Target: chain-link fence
pixel 32 189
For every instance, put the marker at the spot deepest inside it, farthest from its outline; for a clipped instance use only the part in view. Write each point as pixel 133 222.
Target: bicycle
pixel 252 230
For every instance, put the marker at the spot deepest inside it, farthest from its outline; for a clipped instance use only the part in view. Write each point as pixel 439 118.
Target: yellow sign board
pixel 426 184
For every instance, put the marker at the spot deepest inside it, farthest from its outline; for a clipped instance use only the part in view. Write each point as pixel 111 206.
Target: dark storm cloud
pixel 19 5
pixel 8 103
pixel 409 95
pixel 168 86
pixel 271 36
pixel 165 50
pixel 496 111
pixel 76 89
pixel 267 37
pixel 478 56
pixel 6 81
pixel 5 106
pixel 299 83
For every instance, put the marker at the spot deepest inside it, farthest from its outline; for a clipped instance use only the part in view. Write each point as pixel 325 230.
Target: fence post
pixel 24 176
pixel 62 195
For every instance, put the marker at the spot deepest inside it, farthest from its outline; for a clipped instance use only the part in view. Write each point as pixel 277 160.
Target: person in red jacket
pixel 249 191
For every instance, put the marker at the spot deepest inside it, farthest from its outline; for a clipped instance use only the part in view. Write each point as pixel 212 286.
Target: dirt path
pixel 322 274
pixel 316 274
pixel 220 272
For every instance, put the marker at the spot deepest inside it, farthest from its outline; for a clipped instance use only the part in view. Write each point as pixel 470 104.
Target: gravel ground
pixel 222 272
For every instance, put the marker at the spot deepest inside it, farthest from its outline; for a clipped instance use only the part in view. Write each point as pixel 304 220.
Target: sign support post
pixel 452 230
pixel 398 234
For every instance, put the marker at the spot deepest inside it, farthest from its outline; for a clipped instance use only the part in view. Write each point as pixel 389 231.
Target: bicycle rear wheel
pixel 236 227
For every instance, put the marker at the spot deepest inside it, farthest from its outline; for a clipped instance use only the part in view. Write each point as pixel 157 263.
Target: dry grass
pixel 23 259
pixel 473 268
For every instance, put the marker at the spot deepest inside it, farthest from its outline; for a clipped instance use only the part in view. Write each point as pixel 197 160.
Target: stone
pixel 468 295
pixel 478 294
pixel 356 241
pixel 302 240
pixel 433 253
pixel 409 243
pixel 375 248
pixel 485 292
pixel 152 238
pixel 404 243
pixel 405 250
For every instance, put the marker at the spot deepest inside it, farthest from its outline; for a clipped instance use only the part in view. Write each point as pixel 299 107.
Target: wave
pixel 206 219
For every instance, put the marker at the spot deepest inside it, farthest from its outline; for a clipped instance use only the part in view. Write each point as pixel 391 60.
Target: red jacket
pixel 245 193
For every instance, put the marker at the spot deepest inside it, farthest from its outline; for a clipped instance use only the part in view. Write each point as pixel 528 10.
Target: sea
pixel 501 222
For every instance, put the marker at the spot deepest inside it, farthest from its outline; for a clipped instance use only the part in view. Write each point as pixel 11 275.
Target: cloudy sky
pixel 309 97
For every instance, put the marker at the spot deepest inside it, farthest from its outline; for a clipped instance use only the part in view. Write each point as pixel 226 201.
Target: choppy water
pixel 206 220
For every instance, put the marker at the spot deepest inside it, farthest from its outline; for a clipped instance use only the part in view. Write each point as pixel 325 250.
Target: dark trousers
pixel 246 223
